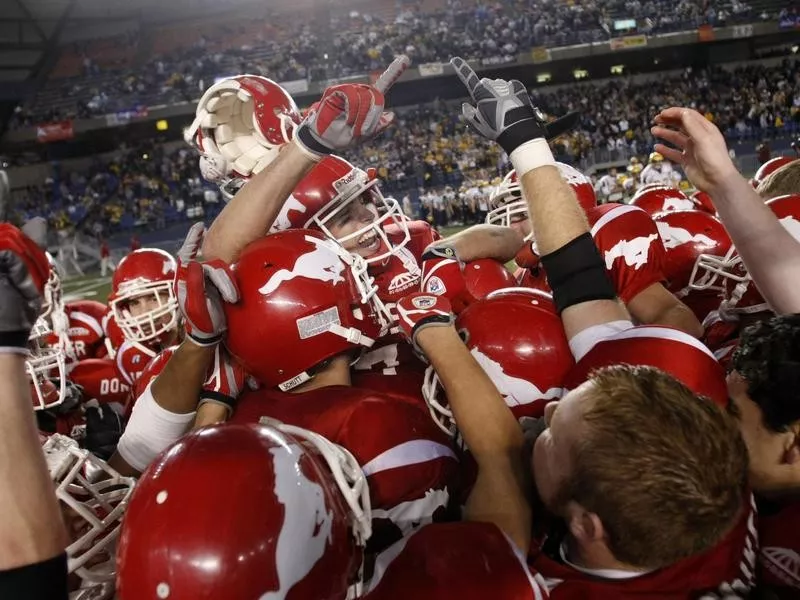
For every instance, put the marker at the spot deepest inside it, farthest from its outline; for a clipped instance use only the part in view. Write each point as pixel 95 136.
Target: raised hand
pixel 201 288
pixel 23 273
pixel 701 149
pixel 417 311
pixel 504 112
pixel 348 114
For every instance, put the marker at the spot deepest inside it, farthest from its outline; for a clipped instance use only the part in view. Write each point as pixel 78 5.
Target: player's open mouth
pixel 368 241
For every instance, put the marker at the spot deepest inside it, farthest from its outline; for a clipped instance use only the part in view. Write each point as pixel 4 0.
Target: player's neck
pixel 336 373
pixel 593 557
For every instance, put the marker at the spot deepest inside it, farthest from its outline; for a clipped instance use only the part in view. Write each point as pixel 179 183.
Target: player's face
pixel 771 454
pixel 356 215
pixel 521 224
pixel 552 452
pixel 146 303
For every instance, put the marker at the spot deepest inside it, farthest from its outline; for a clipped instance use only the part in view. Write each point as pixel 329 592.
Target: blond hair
pixel 781 182
pixel 664 469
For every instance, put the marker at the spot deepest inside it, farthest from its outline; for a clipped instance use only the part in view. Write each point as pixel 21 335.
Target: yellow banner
pixel 629 42
pixel 540 54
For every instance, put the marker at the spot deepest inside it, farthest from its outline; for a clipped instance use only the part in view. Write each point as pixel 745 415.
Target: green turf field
pixel 87 287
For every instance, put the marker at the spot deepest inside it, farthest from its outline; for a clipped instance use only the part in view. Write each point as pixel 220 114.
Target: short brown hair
pixel 664 469
pixel 781 182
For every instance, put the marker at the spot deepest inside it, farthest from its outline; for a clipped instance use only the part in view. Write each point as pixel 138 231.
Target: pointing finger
pixel 392 73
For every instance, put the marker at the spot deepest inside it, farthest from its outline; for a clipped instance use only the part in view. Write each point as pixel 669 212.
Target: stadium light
pixel 162 125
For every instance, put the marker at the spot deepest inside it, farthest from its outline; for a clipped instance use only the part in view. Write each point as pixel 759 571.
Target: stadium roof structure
pixel 31 30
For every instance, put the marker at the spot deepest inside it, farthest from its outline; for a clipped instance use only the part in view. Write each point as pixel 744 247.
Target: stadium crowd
pixel 319 397
pixel 431 156
pixel 286 48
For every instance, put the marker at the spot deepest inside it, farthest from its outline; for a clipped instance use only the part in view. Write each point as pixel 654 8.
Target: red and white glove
pixel 225 382
pixel 417 311
pixel 24 270
pixel 348 113
pixel 528 256
pixel 201 288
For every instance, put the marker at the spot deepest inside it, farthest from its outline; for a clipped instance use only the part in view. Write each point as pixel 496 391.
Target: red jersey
pixel 628 241
pixel 716 573
pixel 85 331
pixel 670 350
pixel 717 332
pixel 468 561
pixel 401 275
pixel 630 245
pixel 779 556
pixel 724 353
pixel 407 460
pixel 100 381
pixel 131 360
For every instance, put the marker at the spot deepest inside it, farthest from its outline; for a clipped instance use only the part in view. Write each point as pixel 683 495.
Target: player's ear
pixel 585 526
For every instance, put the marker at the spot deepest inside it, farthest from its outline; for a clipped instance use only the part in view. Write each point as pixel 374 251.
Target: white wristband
pixel 531 155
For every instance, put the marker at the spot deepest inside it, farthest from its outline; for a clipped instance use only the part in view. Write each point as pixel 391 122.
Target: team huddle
pixel 319 398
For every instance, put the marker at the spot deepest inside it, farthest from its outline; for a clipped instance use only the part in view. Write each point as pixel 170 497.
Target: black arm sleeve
pixel 46 580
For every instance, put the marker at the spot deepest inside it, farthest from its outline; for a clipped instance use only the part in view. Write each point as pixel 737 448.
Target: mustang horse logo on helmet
pixel 322 264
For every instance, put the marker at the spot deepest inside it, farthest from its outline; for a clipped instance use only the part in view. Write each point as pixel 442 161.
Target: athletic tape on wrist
pixel 531 155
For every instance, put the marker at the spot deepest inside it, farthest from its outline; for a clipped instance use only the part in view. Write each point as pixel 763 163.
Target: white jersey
pixel 652 175
pixel 607 185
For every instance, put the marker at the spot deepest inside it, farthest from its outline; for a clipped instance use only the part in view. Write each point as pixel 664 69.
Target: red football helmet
pixel 508 205
pixel 463 286
pixel 240 124
pixel 688 236
pixel 93 498
pixel 325 197
pixel 517 337
pixel 145 274
pixel 294 527
pixel 703 202
pixel 662 198
pixel 769 167
pixel 303 300
pixel 728 273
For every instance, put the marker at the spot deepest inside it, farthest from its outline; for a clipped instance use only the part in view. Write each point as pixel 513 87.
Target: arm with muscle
pixel 770 253
pixel 166 409
pixel 490 430
pixel 656 305
pixel 483 241
pixel 254 208
pixel 557 220
pixel 32 530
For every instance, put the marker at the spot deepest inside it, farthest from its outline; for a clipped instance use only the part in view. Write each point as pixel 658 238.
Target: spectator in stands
pixel 105 258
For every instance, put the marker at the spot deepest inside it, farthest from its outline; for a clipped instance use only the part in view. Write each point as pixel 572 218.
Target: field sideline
pixel 94 287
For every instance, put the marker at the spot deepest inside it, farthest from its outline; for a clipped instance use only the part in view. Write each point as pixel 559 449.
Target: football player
pixel 763 386
pixel 598 548
pixel 628 238
pixel 306 311
pixel 144 311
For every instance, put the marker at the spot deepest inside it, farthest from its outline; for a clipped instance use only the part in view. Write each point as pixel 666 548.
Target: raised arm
pixel 483 241
pixel 488 427
pixel 503 112
pixel 33 534
pixel 254 208
pixel 346 114
pixel 166 409
pixel 770 253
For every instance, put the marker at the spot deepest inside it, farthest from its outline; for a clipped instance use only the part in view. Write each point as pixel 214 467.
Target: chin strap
pixel 352 335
